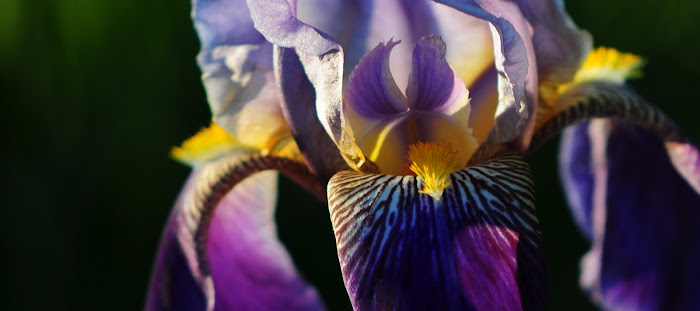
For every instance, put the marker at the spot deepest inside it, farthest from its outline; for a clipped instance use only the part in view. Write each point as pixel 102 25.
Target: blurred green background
pixel 94 93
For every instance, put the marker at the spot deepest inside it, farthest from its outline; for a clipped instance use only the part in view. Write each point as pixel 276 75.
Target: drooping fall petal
pixel 476 248
pixel 641 216
pixel 224 224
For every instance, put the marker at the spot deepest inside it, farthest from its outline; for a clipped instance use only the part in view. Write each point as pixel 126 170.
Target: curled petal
pixel 224 224
pixel 432 85
pixel 640 214
pixel 299 106
pixel 477 248
pixel 322 59
pixel 372 91
pixel 517 71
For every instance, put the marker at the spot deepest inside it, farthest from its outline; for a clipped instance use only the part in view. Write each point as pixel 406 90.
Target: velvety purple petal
pixel 224 222
pixel 516 64
pixel 172 285
pixel 577 175
pixel 371 90
pixel 250 268
pixel 478 248
pixel 299 106
pixel 643 217
pixel 432 85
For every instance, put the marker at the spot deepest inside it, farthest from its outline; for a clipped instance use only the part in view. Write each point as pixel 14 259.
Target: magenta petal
pixel 230 250
pixel 372 91
pixel 172 285
pixel 478 248
pixel 643 216
pixel 250 268
pixel 432 85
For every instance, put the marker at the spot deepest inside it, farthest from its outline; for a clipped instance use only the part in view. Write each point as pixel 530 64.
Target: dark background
pixel 94 93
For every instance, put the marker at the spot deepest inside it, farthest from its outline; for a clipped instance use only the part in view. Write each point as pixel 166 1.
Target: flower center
pixel 433 163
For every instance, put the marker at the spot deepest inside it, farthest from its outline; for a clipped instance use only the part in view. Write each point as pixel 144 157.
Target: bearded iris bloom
pixel 412 120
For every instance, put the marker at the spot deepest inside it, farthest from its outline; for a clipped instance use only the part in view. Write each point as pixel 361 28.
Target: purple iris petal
pixel 577 176
pixel 643 218
pixel 478 248
pixel 299 106
pixel 432 85
pixel 250 268
pixel 172 285
pixel 559 45
pixel 235 59
pixel 372 91
pixel 246 266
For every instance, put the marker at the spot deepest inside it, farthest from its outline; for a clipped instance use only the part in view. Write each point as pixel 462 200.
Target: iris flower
pixel 420 158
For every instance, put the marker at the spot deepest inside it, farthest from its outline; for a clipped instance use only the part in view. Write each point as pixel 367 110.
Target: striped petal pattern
pixel 478 248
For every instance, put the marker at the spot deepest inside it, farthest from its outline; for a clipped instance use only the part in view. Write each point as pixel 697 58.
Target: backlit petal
pixel 516 65
pixel 477 248
pixel 299 106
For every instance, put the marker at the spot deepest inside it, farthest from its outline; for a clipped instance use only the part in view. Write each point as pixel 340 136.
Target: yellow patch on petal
pixel 209 143
pixel 433 163
pixel 607 64
pixel 602 64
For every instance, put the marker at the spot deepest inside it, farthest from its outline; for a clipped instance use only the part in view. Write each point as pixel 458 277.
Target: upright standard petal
pixel 641 215
pixel 322 59
pixel 236 64
pixel 478 247
pixel 299 106
pixel 516 65
pixel 224 223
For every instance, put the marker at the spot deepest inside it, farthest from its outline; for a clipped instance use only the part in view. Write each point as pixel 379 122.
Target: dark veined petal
pixel 372 91
pixel 222 232
pixel 432 85
pixel 479 248
pixel 641 215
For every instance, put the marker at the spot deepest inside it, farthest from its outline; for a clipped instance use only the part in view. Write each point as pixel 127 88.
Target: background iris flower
pixel 476 247
pixel 469 238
